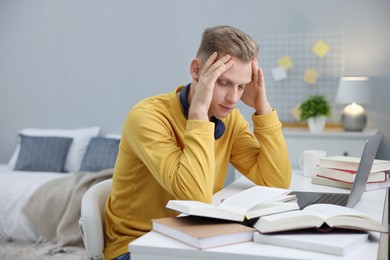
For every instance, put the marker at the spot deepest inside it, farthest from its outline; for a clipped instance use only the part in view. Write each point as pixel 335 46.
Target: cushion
pixel 44 154
pixel 115 136
pixel 101 154
pixel 81 138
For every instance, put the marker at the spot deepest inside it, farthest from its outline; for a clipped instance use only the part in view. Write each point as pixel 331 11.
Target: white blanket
pixel 52 202
pixel 15 189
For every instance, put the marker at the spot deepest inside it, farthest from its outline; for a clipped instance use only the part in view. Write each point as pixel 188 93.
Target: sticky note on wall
pixel 279 73
pixel 296 112
pixel 310 76
pixel 285 62
pixel 320 48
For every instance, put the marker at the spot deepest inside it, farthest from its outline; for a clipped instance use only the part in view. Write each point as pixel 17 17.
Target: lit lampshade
pixel 353 91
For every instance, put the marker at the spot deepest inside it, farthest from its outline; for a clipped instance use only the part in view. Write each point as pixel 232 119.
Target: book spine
pixel 349 182
pixel 345 185
pixel 349 176
pixel 347 164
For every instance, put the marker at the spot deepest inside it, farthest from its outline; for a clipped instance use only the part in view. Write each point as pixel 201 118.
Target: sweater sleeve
pixel 263 160
pixel 181 164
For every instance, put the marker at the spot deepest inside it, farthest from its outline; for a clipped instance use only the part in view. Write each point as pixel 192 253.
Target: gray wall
pixel 78 63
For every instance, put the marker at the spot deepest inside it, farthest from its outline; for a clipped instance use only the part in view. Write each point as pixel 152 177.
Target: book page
pixel 197 208
pixel 288 220
pixel 266 208
pixel 188 206
pixel 329 210
pixel 245 200
pixel 343 217
pixel 285 216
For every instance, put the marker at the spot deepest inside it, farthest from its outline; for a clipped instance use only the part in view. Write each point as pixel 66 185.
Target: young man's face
pixel 229 88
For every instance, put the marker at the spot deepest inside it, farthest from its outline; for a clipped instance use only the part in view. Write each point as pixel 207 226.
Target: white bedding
pixel 15 189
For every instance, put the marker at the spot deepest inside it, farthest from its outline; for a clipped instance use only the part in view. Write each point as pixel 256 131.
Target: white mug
pixel 309 161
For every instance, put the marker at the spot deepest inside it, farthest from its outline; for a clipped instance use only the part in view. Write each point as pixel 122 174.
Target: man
pixel 179 145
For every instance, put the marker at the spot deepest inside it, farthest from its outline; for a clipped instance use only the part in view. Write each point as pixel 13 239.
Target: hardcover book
pixel 351 163
pixel 338 242
pixel 349 175
pixel 201 232
pixel 348 185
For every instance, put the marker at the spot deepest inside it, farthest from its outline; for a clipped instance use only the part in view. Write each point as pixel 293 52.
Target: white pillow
pixel 81 138
pixel 114 136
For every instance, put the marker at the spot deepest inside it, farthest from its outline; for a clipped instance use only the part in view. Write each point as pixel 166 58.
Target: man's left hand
pixel 255 93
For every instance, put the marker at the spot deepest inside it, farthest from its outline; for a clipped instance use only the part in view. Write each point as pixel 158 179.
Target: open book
pixel 251 203
pixel 319 216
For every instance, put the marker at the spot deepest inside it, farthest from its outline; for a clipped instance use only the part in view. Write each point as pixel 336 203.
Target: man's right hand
pixel 203 90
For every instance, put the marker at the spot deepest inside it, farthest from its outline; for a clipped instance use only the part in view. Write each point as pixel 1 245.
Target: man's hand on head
pixel 255 93
pixel 209 72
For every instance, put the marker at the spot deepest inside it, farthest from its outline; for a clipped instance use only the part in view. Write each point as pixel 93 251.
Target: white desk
pixel 154 246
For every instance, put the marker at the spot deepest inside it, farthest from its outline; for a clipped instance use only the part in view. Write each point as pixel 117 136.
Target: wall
pixel 78 63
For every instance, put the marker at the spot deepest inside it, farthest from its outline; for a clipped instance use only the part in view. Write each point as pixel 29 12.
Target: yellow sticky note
pixel 320 48
pixel 295 112
pixel 310 76
pixel 285 62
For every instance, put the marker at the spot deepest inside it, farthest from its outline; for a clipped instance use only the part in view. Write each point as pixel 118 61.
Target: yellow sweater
pixel 163 156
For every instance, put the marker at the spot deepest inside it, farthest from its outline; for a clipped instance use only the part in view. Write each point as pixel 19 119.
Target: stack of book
pixel 324 228
pixel 340 171
pixel 206 226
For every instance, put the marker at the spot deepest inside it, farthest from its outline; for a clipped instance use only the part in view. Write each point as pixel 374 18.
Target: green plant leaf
pixel 313 106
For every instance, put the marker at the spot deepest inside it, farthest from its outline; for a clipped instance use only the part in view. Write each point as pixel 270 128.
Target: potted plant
pixel 314 110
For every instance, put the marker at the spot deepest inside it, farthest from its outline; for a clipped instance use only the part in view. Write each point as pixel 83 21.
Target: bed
pixel 42 185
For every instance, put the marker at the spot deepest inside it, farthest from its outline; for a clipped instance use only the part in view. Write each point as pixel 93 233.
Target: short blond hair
pixel 226 39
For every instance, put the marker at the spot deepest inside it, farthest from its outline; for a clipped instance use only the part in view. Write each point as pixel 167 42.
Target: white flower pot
pixel 316 124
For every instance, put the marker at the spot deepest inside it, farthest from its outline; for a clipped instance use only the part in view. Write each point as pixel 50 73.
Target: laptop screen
pixel 364 169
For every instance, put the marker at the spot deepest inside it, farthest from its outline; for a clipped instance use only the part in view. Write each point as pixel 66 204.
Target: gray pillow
pixel 44 154
pixel 100 155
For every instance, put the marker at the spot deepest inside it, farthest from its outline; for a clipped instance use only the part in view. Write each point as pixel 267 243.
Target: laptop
pixel 306 198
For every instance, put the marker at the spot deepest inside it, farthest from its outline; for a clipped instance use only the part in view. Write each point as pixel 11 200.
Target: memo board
pixel 287 93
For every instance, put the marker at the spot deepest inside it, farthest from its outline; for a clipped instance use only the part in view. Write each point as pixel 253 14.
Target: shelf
pixel 330 132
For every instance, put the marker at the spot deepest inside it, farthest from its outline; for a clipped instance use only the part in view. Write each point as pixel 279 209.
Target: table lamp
pixel 353 91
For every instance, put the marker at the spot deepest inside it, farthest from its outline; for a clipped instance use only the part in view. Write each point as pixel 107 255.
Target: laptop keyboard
pixel 331 198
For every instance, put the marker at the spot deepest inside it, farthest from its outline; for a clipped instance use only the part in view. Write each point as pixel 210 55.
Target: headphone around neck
pixel 219 127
